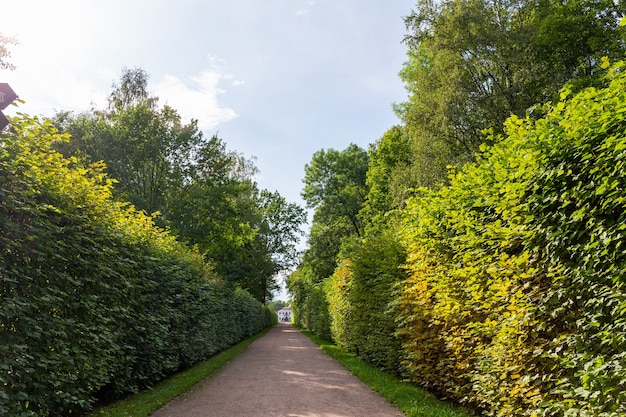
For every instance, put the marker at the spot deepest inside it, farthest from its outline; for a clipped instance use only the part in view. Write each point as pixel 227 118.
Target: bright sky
pixel 276 79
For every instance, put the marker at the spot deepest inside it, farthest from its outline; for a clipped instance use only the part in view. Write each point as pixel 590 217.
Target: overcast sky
pixel 275 79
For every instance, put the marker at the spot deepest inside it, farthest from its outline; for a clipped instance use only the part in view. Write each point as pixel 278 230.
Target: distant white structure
pixel 284 315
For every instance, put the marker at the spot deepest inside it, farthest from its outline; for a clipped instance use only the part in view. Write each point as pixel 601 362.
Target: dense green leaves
pixel 504 288
pixel 578 203
pixel 310 309
pixel 473 63
pixel 96 301
pixel 147 150
pixel 359 294
pixel 205 193
pixel 334 184
pixel 389 178
pixel 515 300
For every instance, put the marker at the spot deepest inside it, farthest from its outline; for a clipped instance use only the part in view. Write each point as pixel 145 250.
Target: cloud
pixel 196 97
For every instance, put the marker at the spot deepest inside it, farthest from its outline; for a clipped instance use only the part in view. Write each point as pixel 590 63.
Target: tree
pixel 335 188
pixel 473 63
pixel 212 205
pixel 146 148
pixel 131 91
pixel 335 184
pixel 5 54
pixel 274 229
pixel 571 37
pixel 249 235
pixel 205 193
pixel 277 305
pixel 389 177
pixel 280 229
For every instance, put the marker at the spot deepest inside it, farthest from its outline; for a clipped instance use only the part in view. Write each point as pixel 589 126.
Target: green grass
pixel 147 402
pixel 408 398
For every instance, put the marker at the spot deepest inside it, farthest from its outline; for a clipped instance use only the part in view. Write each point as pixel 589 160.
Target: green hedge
pixel 310 309
pixel 96 302
pixel 578 232
pixel 359 294
pixel 516 300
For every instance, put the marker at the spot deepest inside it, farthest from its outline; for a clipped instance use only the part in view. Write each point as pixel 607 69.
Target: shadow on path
pixel 281 374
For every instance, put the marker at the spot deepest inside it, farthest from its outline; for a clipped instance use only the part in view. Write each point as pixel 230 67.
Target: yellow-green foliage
pixel 578 200
pixel 337 289
pixel 359 296
pixel 310 309
pixel 514 302
pixel 96 301
pixel 466 310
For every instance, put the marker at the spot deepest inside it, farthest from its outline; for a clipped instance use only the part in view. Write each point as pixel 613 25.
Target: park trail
pixel 280 374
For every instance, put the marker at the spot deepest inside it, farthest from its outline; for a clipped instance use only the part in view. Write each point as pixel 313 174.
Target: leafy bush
pixel 578 203
pixel 96 301
pixel 467 320
pixel 515 300
pixel 310 309
pixel 359 295
pixel 340 309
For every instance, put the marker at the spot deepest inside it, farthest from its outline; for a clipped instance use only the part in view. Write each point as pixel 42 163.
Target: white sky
pixel 275 79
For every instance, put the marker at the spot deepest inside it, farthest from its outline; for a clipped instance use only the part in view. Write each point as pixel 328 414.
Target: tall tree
pixel 213 206
pixel 280 229
pixel 334 186
pixel 571 37
pixel 271 251
pixel 389 177
pixel 206 194
pixel 145 148
pixel 473 63
pixel 132 90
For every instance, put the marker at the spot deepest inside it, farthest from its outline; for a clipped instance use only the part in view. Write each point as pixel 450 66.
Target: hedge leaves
pixel 96 301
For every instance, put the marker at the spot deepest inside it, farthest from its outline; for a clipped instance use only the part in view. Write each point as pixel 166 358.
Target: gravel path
pixel 281 374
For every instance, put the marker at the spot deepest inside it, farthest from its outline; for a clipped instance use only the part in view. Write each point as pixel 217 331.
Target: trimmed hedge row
pixel 96 302
pixel 310 309
pixel 514 302
pixel 359 294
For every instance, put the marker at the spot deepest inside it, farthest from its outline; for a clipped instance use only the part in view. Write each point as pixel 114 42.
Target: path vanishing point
pixel 281 374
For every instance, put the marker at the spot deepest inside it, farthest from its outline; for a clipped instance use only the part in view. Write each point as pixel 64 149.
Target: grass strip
pixel 147 402
pixel 408 398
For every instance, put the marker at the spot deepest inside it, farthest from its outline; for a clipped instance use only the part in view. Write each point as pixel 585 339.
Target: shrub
pixel 96 301
pixel 359 296
pixel 515 299
pixel 578 203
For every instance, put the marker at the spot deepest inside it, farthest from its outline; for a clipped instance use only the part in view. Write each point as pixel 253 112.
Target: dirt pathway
pixel 281 374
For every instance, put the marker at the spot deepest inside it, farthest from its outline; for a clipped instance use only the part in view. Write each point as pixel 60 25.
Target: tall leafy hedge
pixel 578 232
pixel 516 302
pixel 96 302
pixel 467 314
pixel 310 308
pixel 359 294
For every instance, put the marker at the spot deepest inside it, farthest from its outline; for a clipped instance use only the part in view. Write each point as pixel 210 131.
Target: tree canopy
pixel 473 63
pixel 205 193
pixel 5 53
pixel 334 185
